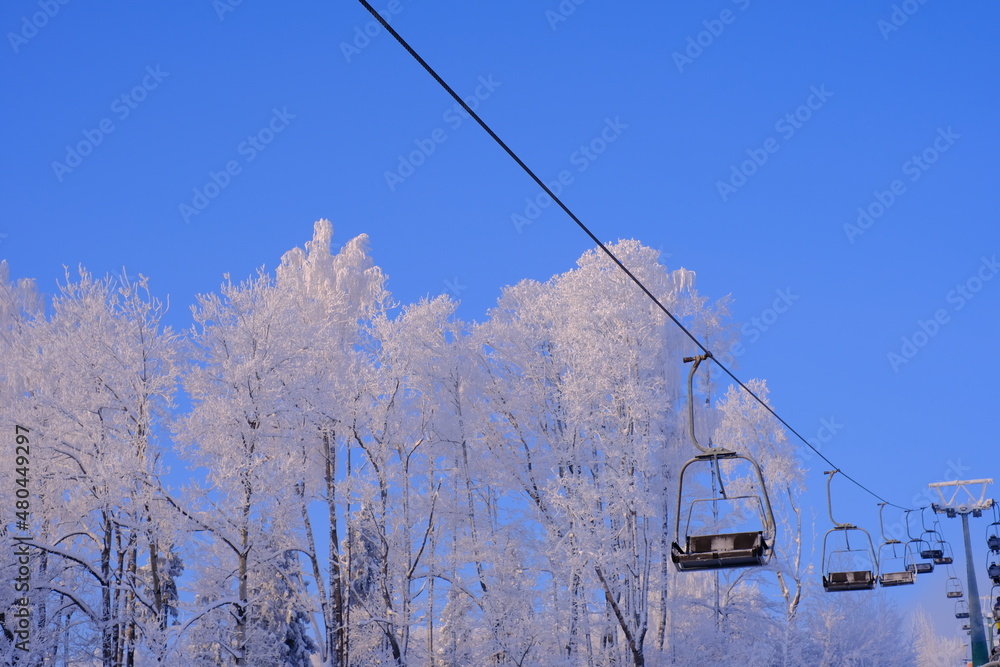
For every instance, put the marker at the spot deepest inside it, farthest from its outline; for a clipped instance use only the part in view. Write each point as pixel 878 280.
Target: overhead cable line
pixel 378 17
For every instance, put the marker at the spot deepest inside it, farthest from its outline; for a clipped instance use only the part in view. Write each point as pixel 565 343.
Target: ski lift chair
pixel 920 566
pixel 837 579
pixel 947 557
pixel 993 536
pixel 994 572
pixel 893 568
pixel 919 546
pixel 722 550
pixel 719 550
pixel 961 609
pixel 953 588
pixel 929 538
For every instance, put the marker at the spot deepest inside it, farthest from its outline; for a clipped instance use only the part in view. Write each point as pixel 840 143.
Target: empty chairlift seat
pixel 894 559
pixel 946 557
pixel 709 552
pixel 953 588
pixel 897 578
pixel 857 580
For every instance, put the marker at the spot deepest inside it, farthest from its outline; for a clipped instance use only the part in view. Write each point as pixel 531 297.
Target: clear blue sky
pixel 890 108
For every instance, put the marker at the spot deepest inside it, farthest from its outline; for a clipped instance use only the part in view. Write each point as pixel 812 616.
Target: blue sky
pixel 187 141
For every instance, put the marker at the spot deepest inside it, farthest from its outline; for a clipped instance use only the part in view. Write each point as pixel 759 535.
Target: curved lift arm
pixel 881 525
pixel 829 501
pixel 694 439
pixel 906 521
pixel 907 575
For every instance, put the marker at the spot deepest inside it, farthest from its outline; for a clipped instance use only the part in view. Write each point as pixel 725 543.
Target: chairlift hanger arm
pixel 694 367
pixel 829 500
pixel 881 525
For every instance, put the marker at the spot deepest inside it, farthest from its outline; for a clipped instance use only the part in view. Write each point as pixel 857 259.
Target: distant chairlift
pixel 953 588
pixel 994 571
pixel 919 546
pixel 993 531
pixel 930 539
pixel 721 550
pixel 948 555
pixel 961 609
pixel 894 569
pixel 836 577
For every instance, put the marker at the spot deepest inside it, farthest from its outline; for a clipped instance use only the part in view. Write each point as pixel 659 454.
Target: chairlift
pixel 931 551
pixel 947 557
pixel 994 572
pixel 993 532
pixel 840 579
pixel 995 595
pixel 953 588
pixel 893 568
pixel 961 609
pixel 719 550
pixel 919 546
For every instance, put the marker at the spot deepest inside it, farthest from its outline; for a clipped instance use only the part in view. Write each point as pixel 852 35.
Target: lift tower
pixel 951 507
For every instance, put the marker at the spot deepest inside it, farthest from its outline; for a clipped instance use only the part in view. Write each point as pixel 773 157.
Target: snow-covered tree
pixel 102 371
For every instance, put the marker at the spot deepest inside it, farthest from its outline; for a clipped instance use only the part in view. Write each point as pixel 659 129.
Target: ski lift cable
pixel 402 42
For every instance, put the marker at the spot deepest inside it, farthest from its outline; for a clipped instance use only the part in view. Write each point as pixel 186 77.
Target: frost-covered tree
pixel 104 371
pixel 584 392
pixel 243 431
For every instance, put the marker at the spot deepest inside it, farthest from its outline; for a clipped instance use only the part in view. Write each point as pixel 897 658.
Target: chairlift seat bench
pixel 710 552
pixel 897 578
pixel 921 568
pixel 858 580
